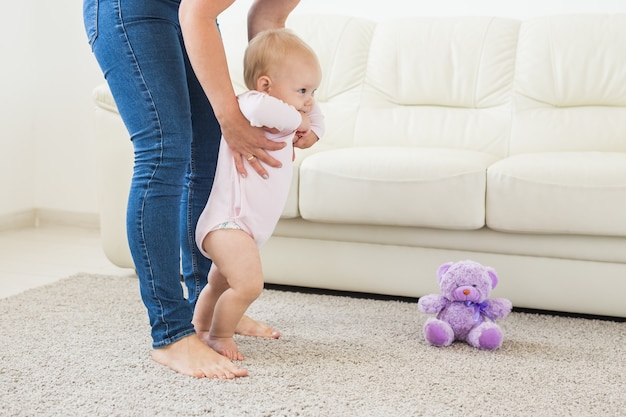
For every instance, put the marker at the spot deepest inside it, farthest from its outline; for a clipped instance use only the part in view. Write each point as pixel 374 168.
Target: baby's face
pixel 296 83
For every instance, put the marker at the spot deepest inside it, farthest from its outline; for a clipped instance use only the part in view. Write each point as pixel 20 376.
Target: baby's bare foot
pixel 250 327
pixel 190 356
pixel 225 346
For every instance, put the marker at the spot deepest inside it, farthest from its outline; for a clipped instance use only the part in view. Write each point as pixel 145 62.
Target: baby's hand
pixel 304 140
pixel 304 137
pixel 305 125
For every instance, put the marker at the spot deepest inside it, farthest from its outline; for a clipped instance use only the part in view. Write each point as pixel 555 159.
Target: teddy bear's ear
pixel 494 277
pixel 442 270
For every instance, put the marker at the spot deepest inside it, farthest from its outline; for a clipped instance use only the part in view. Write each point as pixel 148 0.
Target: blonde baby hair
pixel 271 49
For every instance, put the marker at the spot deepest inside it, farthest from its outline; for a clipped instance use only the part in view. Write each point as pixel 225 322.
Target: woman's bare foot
pixel 190 356
pixel 250 327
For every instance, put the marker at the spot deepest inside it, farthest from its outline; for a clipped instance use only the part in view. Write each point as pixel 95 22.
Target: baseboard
pixel 18 220
pixel 48 217
pixel 413 300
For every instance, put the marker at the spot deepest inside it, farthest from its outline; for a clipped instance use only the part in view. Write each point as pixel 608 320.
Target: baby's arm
pixel 306 139
pixel 264 110
pixel 317 120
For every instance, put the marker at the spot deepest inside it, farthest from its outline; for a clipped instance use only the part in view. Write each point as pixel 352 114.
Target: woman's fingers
pixel 249 145
pixel 255 158
pixel 258 167
pixel 239 166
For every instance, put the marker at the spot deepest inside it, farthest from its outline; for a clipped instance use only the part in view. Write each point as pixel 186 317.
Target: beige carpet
pixel 80 347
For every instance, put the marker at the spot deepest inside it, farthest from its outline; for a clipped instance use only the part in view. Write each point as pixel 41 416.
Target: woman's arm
pixel 268 14
pixel 206 53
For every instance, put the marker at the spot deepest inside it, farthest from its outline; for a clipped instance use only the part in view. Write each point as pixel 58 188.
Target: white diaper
pixel 229 225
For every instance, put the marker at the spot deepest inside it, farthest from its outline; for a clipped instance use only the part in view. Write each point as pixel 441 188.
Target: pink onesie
pixel 254 204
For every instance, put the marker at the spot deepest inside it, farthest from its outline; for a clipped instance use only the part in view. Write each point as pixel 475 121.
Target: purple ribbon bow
pixel 480 309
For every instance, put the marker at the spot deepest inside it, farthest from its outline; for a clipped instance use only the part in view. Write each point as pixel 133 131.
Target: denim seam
pixel 189 233
pixel 149 182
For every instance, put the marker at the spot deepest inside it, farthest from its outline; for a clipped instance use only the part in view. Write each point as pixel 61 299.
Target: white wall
pixel 385 9
pixel 66 73
pixel 46 77
pixel 48 72
pixel 16 133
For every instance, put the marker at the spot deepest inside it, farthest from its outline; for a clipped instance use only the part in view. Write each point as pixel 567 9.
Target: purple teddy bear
pixel 463 310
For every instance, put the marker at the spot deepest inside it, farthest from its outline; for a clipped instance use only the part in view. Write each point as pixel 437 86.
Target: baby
pixel 282 73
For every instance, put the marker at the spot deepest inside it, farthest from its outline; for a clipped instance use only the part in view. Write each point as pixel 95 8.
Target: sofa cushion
pixel 399 186
pixel 559 192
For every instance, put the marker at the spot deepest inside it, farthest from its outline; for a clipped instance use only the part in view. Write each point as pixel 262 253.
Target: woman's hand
pixel 268 14
pixel 206 52
pixel 250 143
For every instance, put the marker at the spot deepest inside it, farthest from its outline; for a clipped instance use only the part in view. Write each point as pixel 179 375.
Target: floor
pixel 38 256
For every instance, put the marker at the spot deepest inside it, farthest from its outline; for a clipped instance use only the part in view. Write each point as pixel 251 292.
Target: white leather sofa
pixel 483 138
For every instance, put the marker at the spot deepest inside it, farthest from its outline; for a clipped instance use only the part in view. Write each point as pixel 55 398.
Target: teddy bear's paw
pixel 488 336
pixel 438 332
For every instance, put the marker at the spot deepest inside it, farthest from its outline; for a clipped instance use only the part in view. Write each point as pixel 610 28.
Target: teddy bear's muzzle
pixel 466 293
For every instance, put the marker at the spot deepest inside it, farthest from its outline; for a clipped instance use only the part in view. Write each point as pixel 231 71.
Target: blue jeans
pixel 175 135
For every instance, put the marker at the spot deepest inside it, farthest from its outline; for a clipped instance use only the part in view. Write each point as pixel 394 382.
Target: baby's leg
pixel 205 306
pixel 238 263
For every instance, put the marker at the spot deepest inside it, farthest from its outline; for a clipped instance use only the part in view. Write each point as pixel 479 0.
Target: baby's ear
pixel 263 84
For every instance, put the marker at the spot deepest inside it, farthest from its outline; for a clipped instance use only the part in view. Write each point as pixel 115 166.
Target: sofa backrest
pixel 486 84
pixel 570 85
pixel 442 82
pixel 432 82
